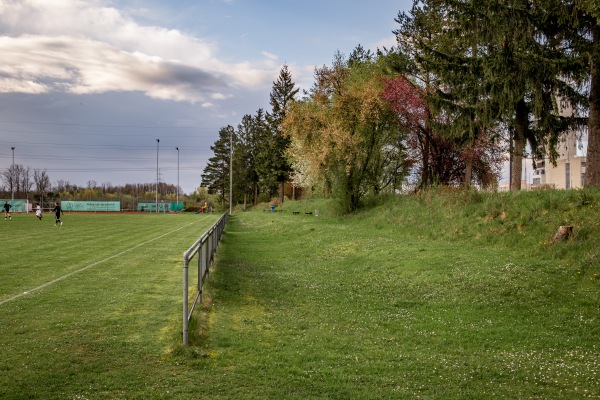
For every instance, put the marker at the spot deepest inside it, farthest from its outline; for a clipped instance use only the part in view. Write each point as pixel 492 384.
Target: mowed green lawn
pixel 89 309
pixel 412 300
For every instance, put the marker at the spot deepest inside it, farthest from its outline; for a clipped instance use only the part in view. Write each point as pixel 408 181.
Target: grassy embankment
pixel 446 296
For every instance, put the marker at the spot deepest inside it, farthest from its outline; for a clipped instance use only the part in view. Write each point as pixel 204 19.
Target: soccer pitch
pixel 81 301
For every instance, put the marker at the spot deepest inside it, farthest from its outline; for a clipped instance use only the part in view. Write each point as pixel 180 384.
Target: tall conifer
pixel 216 173
pixel 500 62
pixel 577 25
pixel 281 96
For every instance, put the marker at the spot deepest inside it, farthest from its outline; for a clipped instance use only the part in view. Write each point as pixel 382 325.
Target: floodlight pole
pixel 230 170
pixel 157 144
pixel 177 148
pixel 12 175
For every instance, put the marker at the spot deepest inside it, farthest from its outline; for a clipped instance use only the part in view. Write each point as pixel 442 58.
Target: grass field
pixel 459 296
pixel 111 309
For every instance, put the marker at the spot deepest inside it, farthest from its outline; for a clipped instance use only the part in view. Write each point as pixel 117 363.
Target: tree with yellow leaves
pixel 341 132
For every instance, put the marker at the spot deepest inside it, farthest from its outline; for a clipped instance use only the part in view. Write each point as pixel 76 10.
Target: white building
pixel 569 172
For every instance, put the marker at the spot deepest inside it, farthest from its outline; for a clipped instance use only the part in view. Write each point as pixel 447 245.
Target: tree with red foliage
pixel 440 159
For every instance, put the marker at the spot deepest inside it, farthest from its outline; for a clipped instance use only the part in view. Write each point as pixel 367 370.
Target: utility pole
pixel 12 175
pixel 510 162
pixel 177 148
pixel 157 143
pixel 230 170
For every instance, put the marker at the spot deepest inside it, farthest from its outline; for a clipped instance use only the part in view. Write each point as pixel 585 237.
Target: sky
pixel 108 90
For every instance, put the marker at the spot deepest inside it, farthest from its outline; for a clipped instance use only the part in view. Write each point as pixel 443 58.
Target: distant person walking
pixel 38 212
pixel 7 211
pixel 58 212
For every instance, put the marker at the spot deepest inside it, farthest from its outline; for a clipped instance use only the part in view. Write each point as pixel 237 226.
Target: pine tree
pixel 499 62
pixel 453 58
pixel 593 153
pixel 243 160
pixel 281 96
pixel 418 27
pixel 577 26
pixel 216 173
pixel 245 155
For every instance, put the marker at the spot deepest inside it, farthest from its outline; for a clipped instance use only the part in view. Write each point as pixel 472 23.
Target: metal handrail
pixel 205 247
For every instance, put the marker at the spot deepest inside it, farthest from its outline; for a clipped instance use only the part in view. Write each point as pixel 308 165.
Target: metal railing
pixel 205 248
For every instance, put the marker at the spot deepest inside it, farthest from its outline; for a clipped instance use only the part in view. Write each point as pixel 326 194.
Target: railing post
pixel 201 269
pixel 207 254
pixel 185 301
pixel 210 246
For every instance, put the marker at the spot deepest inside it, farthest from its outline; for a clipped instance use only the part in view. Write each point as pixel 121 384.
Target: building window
pixel 568 176
pixel 583 179
pixel 536 181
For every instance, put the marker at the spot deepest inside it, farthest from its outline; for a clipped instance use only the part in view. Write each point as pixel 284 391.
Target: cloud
pixel 388 42
pixel 83 47
pixel 220 96
pixel 9 85
pixel 269 56
pixel 84 66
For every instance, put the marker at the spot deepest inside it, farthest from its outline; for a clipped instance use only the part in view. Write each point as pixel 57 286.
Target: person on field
pixel 7 210
pixel 58 212
pixel 38 212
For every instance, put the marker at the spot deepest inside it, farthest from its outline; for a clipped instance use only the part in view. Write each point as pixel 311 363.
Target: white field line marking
pixel 89 266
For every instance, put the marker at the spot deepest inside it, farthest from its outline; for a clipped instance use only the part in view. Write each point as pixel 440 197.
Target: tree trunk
pixel 425 155
pixel 469 165
pixel 592 175
pixel 281 191
pixel 328 187
pixel 510 156
pixel 468 172
pixel 470 149
pixel 517 165
pixel 255 193
pixel 521 120
pixel 425 178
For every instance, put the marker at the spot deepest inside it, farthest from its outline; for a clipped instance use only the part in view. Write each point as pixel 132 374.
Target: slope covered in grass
pixel 523 222
pixel 444 295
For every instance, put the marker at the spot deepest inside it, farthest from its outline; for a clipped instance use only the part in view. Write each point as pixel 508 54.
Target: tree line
pixel 35 184
pixel 468 82
pixel 256 151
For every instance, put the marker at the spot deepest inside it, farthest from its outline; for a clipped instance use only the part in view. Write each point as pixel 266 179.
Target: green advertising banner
pixel 91 206
pixel 17 205
pixel 151 207
pixel 177 207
